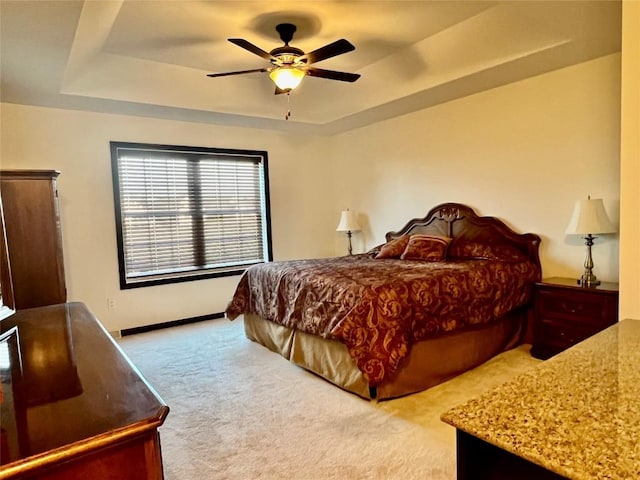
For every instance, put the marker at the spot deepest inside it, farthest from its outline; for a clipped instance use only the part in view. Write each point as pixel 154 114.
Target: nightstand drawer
pixel 594 309
pixel 562 335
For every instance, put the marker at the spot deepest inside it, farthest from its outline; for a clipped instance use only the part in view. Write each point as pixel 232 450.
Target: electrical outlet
pixel 111 303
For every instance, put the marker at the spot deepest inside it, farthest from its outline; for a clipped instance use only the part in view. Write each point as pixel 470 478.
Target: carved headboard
pixel 461 223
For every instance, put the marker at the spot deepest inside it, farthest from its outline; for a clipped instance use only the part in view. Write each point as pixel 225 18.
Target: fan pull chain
pixel 286 117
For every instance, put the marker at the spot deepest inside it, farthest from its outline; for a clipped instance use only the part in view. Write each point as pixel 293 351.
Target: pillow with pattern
pixel 430 248
pixel 393 248
pixel 485 251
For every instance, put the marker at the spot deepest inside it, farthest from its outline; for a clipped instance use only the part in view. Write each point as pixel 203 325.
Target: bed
pixel 442 295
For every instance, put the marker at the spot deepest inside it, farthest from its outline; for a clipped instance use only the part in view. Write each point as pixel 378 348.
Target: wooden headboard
pixel 460 222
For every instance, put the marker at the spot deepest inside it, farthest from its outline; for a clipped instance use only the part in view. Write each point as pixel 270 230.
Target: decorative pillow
pixel 485 251
pixel 430 248
pixel 393 248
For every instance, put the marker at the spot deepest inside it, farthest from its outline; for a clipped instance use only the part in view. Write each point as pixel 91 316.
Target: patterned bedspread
pixel 378 308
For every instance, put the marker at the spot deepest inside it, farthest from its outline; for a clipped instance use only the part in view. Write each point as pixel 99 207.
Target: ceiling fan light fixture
pixel 286 77
pixel 290 64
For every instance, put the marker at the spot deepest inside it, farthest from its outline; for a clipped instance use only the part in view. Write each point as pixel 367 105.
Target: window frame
pixel 198 274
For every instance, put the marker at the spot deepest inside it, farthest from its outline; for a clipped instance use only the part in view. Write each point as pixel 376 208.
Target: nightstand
pixel 566 313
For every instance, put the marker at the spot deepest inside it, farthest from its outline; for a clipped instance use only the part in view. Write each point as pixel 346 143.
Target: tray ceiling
pixel 151 58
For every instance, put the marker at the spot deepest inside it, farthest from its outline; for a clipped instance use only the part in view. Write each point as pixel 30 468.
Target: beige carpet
pixel 239 411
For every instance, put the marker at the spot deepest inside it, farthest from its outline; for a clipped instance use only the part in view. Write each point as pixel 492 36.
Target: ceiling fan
pixel 290 64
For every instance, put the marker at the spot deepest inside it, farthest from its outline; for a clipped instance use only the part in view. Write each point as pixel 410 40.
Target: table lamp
pixel 589 218
pixel 348 223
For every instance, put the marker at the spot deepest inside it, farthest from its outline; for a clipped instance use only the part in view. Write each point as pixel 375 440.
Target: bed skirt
pixel 429 363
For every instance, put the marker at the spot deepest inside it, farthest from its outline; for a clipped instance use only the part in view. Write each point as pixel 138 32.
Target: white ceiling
pixel 151 57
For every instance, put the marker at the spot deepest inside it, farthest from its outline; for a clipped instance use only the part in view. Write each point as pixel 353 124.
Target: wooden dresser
pixel 72 404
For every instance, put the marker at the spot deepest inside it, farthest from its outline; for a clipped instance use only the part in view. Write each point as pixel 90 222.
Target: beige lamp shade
pixel 589 217
pixel 348 222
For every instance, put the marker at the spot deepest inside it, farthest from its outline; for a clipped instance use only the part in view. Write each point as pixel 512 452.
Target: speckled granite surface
pixel 577 414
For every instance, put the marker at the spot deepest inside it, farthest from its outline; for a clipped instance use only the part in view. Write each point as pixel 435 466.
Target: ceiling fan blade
pixel 239 72
pixel 332 74
pixel 331 50
pixel 241 42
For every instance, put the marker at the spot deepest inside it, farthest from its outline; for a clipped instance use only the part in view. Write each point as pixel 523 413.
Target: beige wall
pixel 77 144
pixel 524 152
pixel 630 163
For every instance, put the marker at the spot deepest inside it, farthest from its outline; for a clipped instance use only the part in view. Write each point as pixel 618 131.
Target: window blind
pixel 188 212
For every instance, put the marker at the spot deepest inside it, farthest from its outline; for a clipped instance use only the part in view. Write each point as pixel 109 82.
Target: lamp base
pixel 588 280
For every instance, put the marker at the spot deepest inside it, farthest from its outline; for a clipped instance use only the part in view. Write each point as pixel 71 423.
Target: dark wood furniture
pixel 34 240
pixel 462 224
pixel 6 285
pixel 480 460
pixel 566 313
pixel 73 406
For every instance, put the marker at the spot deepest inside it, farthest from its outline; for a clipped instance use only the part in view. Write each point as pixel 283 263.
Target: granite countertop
pixel 577 414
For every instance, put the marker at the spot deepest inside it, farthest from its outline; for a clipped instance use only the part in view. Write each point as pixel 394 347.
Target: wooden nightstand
pixel 566 313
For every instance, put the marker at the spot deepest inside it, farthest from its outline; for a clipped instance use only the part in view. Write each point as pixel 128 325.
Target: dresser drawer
pixel 576 307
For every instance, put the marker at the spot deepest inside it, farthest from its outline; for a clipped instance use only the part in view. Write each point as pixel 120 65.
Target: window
pixel 185 213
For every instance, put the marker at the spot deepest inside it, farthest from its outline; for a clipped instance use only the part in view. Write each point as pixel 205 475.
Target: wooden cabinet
pixel 566 313
pixel 480 460
pixel 6 285
pixel 33 236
